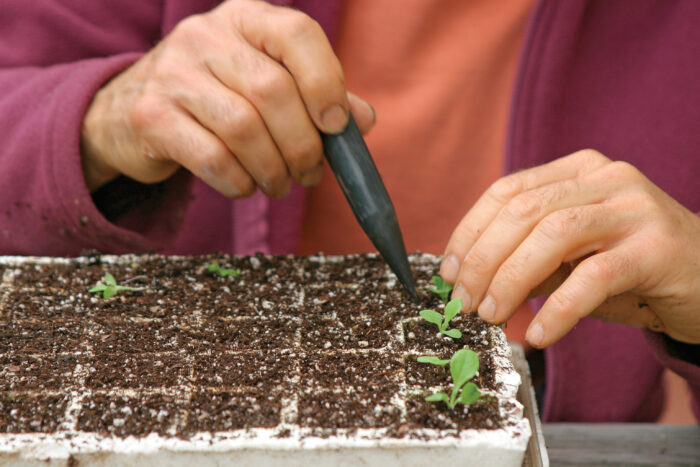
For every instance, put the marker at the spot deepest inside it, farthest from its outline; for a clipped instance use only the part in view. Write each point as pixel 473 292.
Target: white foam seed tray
pixel 287 443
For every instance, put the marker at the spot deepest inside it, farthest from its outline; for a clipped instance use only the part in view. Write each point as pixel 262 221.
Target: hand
pixel 234 95
pixel 596 234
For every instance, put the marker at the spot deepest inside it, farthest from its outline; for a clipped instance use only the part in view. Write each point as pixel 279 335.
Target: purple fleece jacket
pixel 620 77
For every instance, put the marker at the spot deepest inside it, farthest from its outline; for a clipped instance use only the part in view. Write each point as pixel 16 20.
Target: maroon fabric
pixel 622 78
pixel 617 76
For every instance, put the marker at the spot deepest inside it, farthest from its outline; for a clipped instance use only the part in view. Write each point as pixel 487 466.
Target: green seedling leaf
pixel 109 287
pixel 463 366
pixel 100 287
pixel 436 318
pixel 109 279
pixel 109 292
pixel 215 268
pixel 432 360
pixel 437 397
pixel 469 395
pixel 229 272
pixel 452 309
pixel 441 288
pixel 432 316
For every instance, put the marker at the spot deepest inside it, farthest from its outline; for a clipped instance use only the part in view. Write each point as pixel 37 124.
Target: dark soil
pixel 194 351
pixel 24 413
pixel 224 411
pixel 124 416
pixel 482 413
pixel 347 410
pixel 21 372
pixel 362 371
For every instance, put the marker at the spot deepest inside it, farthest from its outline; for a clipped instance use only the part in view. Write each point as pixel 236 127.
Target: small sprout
pixel 451 310
pixel 441 288
pixel 109 287
pixel 438 397
pixel 463 366
pixel 216 269
pixel 432 360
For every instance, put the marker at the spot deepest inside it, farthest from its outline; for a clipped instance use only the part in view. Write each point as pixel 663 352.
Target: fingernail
pixel 312 177
pixel 374 113
pixel 283 189
pixel 334 119
pixel 487 309
pixel 535 334
pixel 461 292
pixel 449 268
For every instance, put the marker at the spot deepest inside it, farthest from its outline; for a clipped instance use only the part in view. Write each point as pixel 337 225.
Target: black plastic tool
pixel 359 179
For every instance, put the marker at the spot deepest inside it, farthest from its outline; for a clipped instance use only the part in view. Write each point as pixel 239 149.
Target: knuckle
pixel 304 155
pixel 599 269
pixel 272 84
pixel 511 273
pixel 210 158
pixel 466 232
pixel 506 188
pixel 562 304
pixel 525 206
pixel 146 112
pixel 299 24
pixel 591 157
pixel 242 122
pixel 188 29
pixel 558 224
pixel 625 171
pixel 477 262
pixel 645 202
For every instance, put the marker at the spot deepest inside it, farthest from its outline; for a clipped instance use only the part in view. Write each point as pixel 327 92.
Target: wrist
pixel 93 153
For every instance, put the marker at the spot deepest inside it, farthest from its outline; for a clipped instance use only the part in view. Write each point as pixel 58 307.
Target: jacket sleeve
pixel 45 207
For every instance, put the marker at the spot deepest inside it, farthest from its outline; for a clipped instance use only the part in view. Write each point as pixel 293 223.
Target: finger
pixel 237 123
pixel 563 235
pixel 590 284
pixel 297 41
pixel 513 223
pixel 553 281
pixel 492 201
pixel 364 113
pixel 201 152
pixel 273 94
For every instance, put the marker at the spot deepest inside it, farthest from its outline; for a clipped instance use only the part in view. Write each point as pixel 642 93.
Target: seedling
pixel 109 287
pixel 451 310
pixel 432 360
pixel 463 366
pixel 216 269
pixel 441 288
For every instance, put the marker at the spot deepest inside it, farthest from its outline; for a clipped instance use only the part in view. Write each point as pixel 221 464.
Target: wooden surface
pixel 536 455
pixel 584 444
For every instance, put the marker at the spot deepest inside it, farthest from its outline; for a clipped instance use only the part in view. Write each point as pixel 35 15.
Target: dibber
pixel 359 180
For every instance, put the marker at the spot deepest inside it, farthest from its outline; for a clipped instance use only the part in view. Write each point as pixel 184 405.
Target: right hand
pixel 235 95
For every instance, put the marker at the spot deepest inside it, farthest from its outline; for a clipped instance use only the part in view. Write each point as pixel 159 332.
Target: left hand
pixel 597 235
